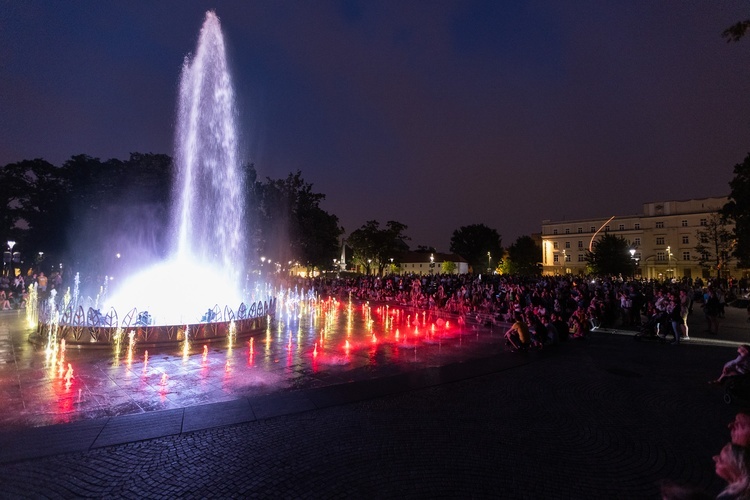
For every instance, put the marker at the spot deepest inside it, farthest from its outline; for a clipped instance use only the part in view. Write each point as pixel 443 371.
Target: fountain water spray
pixel 207 219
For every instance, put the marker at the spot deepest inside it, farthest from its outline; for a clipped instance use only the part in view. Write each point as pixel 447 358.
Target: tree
pixel 374 246
pixel 474 243
pixel 523 257
pixel 611 256
pixel 735 32
pixel 737 210
pixel 715 245
pixel 290 225
pixel 33 194
pixel 448 267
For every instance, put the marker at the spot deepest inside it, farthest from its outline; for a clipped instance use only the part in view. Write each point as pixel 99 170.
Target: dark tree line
pixel 88 212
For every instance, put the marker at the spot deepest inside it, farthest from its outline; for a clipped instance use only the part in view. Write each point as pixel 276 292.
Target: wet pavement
pixel 607 417
pixel 307 347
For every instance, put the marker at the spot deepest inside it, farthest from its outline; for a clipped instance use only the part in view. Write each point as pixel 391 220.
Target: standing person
pixel 685 306
pixel 732 466
pixel 41 281
pixel 675 319
pixel 625 305
pixel 711 308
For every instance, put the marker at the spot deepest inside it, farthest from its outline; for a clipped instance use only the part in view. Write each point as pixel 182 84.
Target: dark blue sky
pixel 437 114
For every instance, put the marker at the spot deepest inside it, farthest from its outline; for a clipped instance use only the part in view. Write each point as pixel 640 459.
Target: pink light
pixel 315 350
pixel 68 376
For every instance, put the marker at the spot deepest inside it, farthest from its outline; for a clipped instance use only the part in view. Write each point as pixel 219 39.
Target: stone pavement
pixel 602 418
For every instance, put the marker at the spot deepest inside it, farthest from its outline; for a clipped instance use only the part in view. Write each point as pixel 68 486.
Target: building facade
pixel 663 239
pixel 431 263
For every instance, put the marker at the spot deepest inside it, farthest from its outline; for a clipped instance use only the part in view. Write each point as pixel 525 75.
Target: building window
pixel 580 229
pixel 636 241
pixel 606 228
pixel 555 245
pixel 685 239
pixel 554 231
pixel 637 225
pixel 567 258
pixel 580 244
pixel 567 244
pixel 556 258
pixel 704 222
pixel 567 230
pixel 684 223
pixel 622 227
pixel 660 240
pixel 593 228
pixel 581 258
pixel 659 225
pixel 661 256
pixel 685 255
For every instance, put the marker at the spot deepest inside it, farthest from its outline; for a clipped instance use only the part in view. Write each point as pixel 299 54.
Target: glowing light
pixel 145 361
pixel 205 353
pixel 315 350
pixel 164 379
pixel 69 376
pixel 186 344
pixel 131 346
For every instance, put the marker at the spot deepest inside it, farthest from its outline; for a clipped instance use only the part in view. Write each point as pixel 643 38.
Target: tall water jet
pixel 208 200
pixel 206 262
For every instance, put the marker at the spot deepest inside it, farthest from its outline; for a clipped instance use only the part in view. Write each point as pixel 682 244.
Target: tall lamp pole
pixel 11 244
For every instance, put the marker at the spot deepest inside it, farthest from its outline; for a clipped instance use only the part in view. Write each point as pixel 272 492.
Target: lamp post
pixel 11 244
pixel 670 271
pixel 632 258
pixel 489 262
pixel 432 263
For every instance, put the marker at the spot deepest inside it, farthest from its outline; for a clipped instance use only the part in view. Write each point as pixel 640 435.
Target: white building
pixel 431 263
pixel 664 237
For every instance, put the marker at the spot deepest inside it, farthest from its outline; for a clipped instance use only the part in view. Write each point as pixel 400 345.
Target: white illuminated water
pixel 205 267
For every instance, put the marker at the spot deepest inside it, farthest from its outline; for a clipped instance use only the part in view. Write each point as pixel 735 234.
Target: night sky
pixel 437 114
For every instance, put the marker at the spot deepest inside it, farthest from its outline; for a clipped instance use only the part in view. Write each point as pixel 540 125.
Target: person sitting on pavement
pixel 736 367
pixel 732 466
pixel 518 334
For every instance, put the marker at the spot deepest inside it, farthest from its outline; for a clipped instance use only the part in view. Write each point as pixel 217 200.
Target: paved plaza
pixel 606 417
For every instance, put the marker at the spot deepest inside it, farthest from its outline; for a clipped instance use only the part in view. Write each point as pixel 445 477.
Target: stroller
pixel 656 328
pixel 737 388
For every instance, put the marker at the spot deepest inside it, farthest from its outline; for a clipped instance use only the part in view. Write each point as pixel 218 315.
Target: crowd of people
pixel 14 290
pixel 549 309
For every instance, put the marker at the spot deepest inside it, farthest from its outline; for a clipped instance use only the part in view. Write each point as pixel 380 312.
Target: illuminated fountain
pixel 201 282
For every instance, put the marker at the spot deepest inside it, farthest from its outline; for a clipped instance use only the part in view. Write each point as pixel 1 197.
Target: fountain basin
pixel 104 331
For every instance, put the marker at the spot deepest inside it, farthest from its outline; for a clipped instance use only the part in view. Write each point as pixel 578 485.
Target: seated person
pixel 518 334
pixel 738 366
pixel 732 466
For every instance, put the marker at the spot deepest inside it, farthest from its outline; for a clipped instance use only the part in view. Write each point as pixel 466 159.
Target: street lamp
pixel 669 261
pixel 632 258
pixel 489 262
pixel 11 244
